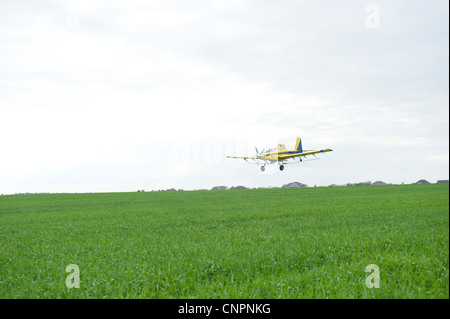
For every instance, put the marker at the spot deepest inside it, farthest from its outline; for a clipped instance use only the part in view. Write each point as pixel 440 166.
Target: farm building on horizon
pixel 238 187
pixel 422 181
pixel 215 188
pixel 378 183
pixel 442 181
pixel 294 184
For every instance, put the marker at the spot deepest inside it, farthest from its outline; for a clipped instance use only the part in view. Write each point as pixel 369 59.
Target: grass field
pixel 265 243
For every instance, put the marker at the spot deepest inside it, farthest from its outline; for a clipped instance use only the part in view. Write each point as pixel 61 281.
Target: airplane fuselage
pixel 275 156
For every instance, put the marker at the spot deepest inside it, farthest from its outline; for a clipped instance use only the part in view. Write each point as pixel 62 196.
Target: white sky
pixel 100 96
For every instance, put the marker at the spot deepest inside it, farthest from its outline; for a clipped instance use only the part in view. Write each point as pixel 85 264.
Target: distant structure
pixel 442 181
pixel 422 181
pixel 216 188
pixel 238 187
pixel 293 185
pixel 378 183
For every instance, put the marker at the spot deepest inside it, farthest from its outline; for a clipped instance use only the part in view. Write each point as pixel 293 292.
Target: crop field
pixel 294 243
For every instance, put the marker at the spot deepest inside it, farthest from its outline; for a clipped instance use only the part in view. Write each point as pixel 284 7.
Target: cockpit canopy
pixel 278 148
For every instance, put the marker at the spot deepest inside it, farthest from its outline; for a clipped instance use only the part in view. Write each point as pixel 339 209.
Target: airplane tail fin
pixel 298 145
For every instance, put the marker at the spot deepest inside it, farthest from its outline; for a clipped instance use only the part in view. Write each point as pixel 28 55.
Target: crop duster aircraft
pixel 281 154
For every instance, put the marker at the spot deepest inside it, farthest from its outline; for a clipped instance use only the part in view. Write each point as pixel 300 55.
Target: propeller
pixel 258 154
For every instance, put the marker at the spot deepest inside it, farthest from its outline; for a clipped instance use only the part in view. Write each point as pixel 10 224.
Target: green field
pixel 266 243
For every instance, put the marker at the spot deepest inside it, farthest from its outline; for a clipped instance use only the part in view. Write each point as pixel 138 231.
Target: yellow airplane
pixel 281 154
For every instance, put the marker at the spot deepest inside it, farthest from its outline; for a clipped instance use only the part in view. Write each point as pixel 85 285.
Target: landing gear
pixel 263 168
pixel 281 167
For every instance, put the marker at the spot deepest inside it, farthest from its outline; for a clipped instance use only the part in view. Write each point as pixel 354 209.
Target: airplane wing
pixel 244 157
pixel 304 154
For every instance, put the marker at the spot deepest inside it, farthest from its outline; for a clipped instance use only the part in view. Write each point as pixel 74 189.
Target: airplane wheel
pixel 281 167
pixel 263 168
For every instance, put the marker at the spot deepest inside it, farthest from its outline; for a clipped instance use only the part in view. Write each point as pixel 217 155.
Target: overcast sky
pixel 106 96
